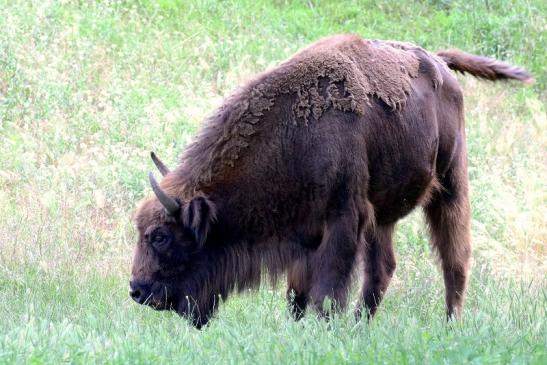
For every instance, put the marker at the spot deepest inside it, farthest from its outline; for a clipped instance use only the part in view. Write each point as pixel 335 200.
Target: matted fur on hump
pixel 366 68
pixel 356 70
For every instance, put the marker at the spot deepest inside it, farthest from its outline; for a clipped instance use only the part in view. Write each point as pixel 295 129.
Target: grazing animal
pixel 308 168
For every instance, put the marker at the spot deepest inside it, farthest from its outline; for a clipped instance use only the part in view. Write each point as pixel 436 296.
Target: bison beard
pixel 305 171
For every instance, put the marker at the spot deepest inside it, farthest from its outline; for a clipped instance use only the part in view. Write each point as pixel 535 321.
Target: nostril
pixel 139 291
pixel 135 294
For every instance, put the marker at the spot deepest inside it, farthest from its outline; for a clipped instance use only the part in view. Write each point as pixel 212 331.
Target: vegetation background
pixel 88 88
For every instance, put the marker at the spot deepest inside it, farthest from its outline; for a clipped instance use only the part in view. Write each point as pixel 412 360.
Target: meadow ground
pixel 87 89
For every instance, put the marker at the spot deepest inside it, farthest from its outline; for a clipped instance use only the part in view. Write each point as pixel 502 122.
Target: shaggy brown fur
pixel 341 72
pixel 306 169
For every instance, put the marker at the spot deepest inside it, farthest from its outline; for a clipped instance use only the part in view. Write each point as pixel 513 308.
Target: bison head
pixel 170 253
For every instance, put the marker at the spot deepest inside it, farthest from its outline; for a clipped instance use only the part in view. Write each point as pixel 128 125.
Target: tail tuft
pixel 483 67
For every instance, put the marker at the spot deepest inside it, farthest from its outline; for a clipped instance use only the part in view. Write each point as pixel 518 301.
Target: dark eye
pixel 161 239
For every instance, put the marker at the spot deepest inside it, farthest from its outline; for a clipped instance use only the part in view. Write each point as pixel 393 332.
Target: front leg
pixel 331 265
pixel 298 287
pixel 379 265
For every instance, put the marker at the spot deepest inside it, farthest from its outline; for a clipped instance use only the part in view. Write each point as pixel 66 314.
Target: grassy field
pixel 87 89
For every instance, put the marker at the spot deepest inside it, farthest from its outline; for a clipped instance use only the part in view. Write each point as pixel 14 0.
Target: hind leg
pixel 298 287
pixel 379 265
pixel 448 216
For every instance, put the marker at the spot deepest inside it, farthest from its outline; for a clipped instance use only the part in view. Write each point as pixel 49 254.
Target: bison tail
pixel 483 67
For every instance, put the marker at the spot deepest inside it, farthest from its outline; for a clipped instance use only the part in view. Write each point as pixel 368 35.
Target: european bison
pixel 309 167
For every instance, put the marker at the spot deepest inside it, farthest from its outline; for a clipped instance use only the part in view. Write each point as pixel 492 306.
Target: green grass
pixel 87 89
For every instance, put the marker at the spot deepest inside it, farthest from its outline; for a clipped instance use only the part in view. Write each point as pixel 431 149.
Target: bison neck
pixel 243 248
pixel 228 264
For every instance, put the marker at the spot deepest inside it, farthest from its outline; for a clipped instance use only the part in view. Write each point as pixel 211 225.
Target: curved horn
pixel 171 205
pixel 159 164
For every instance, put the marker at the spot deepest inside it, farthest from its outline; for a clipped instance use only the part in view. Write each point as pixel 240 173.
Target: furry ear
pixel 198 215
